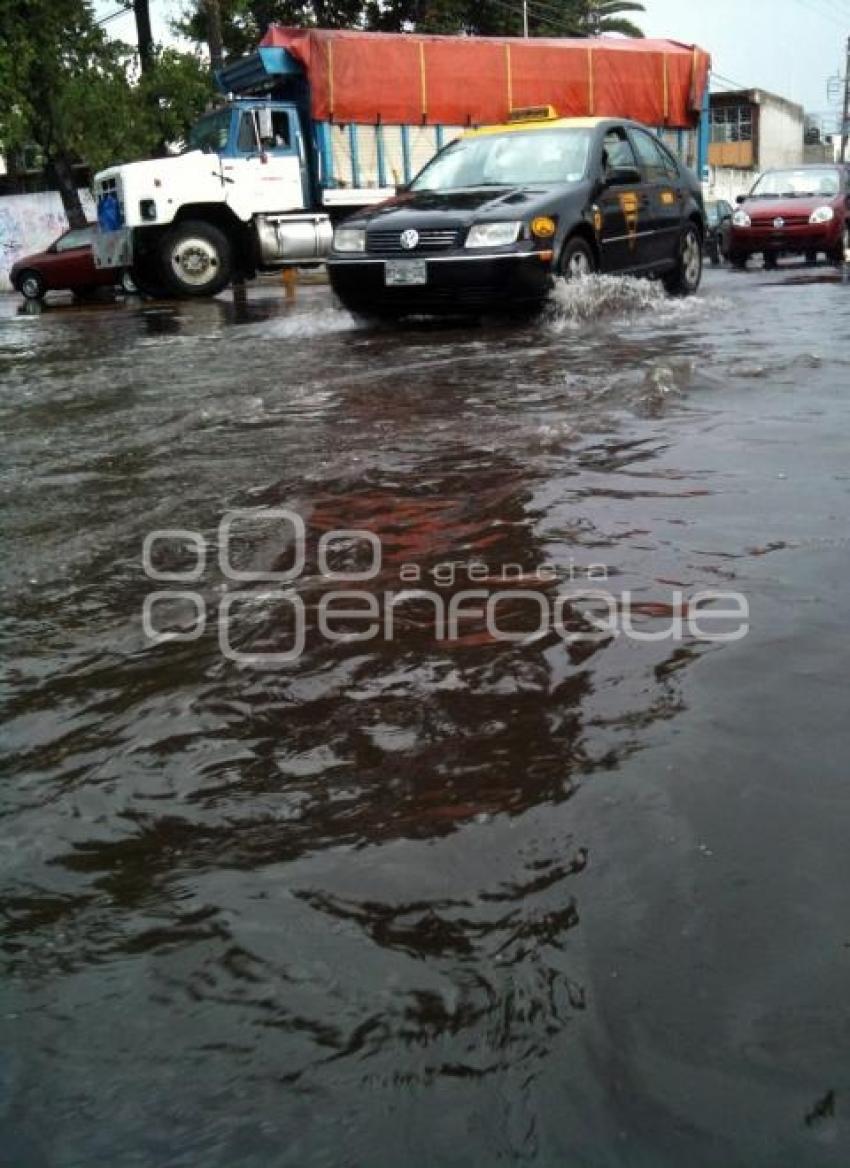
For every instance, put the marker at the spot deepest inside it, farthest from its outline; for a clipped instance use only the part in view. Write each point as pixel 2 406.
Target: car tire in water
pixel 714 254
pixel 770 262
pixel 685 277
pixel 196 259
pixel 31 285
pixel 577 259
pixel 836 256
pixel 738 259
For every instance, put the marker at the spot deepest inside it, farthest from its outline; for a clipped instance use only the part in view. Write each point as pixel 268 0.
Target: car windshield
pixel 210 133
pixel 797 184
pixel 513 158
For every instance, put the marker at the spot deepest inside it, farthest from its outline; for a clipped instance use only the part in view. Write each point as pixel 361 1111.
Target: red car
pixel 800 210
pixel 66 264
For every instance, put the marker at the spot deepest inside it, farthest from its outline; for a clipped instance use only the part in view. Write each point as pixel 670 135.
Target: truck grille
pixel 430 239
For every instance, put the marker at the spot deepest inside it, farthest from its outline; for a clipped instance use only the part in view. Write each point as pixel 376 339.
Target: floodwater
pixel 528 894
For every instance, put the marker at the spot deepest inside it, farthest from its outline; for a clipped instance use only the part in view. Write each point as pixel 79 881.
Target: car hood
pixel 431 208
pixel 786 208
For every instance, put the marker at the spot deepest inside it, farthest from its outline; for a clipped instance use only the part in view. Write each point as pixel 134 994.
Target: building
pixel 751 130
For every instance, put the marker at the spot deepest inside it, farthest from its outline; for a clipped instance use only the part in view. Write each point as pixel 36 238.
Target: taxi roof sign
pixel 533 113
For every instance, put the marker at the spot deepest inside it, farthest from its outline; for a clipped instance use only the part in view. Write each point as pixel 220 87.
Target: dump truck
pixel 317 124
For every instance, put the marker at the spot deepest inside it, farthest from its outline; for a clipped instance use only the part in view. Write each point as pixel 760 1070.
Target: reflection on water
pixel 353 909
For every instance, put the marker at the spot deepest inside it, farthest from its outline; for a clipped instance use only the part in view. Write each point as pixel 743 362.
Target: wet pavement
pixel 557 899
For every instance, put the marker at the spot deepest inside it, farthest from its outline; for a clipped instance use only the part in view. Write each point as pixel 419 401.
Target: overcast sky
pixel 788 46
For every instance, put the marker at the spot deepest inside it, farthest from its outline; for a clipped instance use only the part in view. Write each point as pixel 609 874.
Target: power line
pixel 728 81
pixel 122 11
pixel 831 17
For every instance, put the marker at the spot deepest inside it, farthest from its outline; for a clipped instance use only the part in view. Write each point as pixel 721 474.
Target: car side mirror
pixel 402 188
pixel 622 176
pixel 740 199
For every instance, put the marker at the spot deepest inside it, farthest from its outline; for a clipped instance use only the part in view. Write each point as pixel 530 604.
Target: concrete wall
pixel 726 182
pixel 780 133
pixel 29 223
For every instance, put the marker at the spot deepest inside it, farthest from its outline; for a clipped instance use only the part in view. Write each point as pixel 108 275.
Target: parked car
pixel 501 211
pixel 800 210
pixel 718 217
pixel 67 264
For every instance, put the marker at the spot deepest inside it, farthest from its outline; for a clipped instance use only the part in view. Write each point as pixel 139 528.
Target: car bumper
pixel 791 238
pixel 455 284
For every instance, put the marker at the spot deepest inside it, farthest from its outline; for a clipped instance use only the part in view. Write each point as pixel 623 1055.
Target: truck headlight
pixel 822 215
pixel 741 219
pixel 493 234
pixel 350 239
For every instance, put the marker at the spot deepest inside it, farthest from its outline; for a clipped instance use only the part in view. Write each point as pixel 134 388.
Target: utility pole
pixel 141 11
pixel 212 9
pixel 845 117
pixel 525 18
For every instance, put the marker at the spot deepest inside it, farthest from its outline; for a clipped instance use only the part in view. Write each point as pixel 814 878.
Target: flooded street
pixel 449 901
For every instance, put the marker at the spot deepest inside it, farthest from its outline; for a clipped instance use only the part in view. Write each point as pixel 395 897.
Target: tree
pixel 67 88
pixel 243 22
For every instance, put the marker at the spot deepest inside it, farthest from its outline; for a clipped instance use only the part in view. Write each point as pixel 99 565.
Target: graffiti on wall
pixel 29 223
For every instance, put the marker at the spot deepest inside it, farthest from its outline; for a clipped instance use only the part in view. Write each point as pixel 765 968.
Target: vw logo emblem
pixel 409 239
pixel 778 222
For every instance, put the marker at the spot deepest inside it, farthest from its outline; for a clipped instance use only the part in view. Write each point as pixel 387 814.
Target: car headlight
pixel 741 219
pixel 350 239
pixel 822 215
pixel 493 234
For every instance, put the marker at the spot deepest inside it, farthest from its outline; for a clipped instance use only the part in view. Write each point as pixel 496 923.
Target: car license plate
pixel 403 273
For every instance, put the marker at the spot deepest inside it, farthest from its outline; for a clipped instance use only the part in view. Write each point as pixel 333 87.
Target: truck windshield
pixel 513 158
pixel 800 183
pixel 210 133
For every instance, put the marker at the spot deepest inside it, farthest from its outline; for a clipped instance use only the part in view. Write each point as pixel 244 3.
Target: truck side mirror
pixel 740 199
pixel 264 124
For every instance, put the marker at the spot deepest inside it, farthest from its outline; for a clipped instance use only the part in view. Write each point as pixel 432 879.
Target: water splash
pixel 575 301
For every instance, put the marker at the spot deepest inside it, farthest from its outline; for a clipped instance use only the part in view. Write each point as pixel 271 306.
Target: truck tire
pixel 196 259
pixel 146 277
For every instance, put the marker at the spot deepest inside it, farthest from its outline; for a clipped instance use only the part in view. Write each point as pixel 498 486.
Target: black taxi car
pixel 499 212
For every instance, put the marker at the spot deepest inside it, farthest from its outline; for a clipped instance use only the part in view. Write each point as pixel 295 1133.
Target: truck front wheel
pixel 196 259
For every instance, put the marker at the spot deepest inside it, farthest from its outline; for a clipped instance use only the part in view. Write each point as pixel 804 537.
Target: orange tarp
pixel 399 78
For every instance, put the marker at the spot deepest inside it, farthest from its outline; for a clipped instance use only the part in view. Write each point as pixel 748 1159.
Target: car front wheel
pixel 31 285
pixel 685 277
pixel 577 259
pixel 836 256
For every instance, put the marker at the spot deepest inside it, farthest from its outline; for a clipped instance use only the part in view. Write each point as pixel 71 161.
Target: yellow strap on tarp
pixel 666 90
